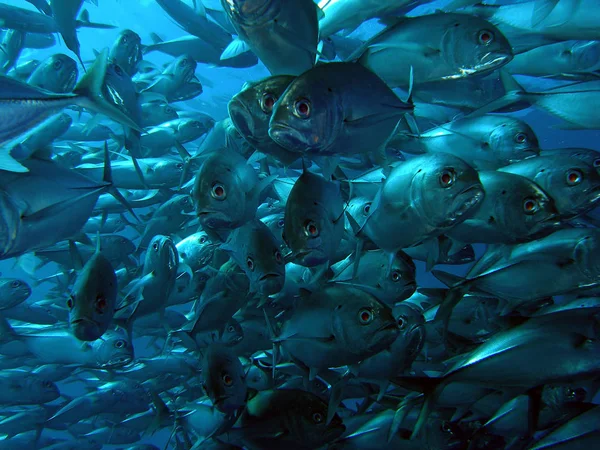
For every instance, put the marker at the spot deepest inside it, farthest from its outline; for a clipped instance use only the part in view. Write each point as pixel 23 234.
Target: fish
pixel 13 292
pixel 487 142
pixel 224 379
pixel 422 199
pixel 93 301
pixel 226 191
pixel 334 339
pixel 454 46
pixel 324 111
pixel 513 210
pixel 57 73
pixel 126 52
pixel 251 109
pixel 255 250
pixel 35 105
pixel 284 35
pixel 314 221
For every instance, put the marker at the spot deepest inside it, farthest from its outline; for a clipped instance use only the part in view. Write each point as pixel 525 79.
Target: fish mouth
pixel 117 362
pixel 390 326
pixel 493 60
pixel 241 117
pixel 463 203
pixel 85 329
pixel 310 258
pixel 288 137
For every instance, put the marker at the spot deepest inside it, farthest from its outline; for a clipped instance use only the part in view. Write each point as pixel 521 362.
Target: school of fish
pixel 373 250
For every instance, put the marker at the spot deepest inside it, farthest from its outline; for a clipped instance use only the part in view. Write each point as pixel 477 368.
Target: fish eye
pixel 574 177
pixel 530 205
pixel 195 124
pixel 169 110
pixel 56 65
pixel 446 428
pixel 317 417
pixel 48 384
pixel 118 70
pixel 396 276
pixel 520 138
pixel 365 316
pixel 179 166
pixel 231 329
pixel 250 263
pixel 183 63
pixel 302 108
pixel 402 322
pixel 280 223
pixel 218 192
pixel 577 394
pixel 120 343
pixel 202 239
pixel 367 209
pixel 124 39
pixel 227 380
pixel 70 302
pixel 15 284
pixel 447 178
pixel 155 246
pixel 311 229
pixel 267 102
pixel 101 304
pixel 486 37
pixel 278 257
pixel 597 162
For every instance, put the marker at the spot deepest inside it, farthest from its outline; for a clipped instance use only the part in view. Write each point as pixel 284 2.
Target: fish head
pixel 256 251
pixel 42 389
pixel 182 68
pixel 446 190
pixel 224 379
pixel 93 299
pixel 162 256
pixel 196 250
pixel 222 191
pixel 192 129
pixel 361 323
pixel 573 183
pixel 308 117
pixel 114 349
pixel 58 73
pixel 183 203
pixel 513 140
pixel 359 208
pixel 313 225
pixel 522 209
pixel 251 109
pixel 251 12
pixel 476 45
pixel 412 332
pixel 13 292
pixel 584 54
pixel 127 51
pixel 308 414
pixel 233 333
pixel 398 279
pixel 444 434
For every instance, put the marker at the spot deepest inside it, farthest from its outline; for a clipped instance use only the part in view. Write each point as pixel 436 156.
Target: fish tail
pixel 89 93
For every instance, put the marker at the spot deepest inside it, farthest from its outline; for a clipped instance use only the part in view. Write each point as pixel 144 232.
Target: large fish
pixel 283 34
pixel 421 199
pixel 434 48
pixel 336 109
pixel 93 301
